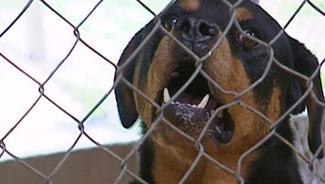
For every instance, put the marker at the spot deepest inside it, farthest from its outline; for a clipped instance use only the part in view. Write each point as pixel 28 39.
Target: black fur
pixel 276 163
pixel 146 162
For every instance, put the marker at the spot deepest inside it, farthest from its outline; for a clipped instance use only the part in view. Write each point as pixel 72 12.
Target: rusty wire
pixel 47 178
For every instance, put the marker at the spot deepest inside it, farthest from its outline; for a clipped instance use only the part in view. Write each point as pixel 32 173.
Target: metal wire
pixel 47 178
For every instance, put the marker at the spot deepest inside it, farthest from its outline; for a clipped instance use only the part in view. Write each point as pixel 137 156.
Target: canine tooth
pixel 204 102
pixel 166 95
pixel 194 106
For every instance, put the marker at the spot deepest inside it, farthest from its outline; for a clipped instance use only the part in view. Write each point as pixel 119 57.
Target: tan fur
pixel 166 161
pixel 242 14
pixel 219 175
pixel 223 68
pixel 273 110
pixel 190 5
pixel 155 79
pixel 168 158
pixel 175 153
pixel 172 150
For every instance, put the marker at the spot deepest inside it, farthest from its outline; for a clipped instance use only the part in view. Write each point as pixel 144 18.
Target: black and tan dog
pixel 237 74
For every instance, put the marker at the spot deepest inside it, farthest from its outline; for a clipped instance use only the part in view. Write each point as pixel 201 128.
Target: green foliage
pixel 320 4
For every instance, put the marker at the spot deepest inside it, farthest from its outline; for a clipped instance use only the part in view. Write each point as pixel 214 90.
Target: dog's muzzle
pixel 195 106
pixel 197 34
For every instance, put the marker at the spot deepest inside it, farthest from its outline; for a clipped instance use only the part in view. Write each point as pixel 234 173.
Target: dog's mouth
pixel 195 107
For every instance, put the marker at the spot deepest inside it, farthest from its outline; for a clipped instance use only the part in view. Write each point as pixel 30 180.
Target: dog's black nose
pixel 197 30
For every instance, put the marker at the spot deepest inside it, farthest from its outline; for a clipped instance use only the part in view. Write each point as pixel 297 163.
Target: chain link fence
pixel 47 178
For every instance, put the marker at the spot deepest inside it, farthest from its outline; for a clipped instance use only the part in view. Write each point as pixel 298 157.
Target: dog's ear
pixel 306 63
pixel 124 94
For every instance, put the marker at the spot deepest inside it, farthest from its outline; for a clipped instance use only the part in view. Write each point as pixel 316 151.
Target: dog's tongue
pixel 186 115
pixel 192 119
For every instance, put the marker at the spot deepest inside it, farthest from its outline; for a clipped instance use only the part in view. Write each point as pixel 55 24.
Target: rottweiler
pixel 214 83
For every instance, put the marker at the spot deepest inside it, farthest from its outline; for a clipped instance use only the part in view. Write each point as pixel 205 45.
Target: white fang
pixel 204 102
pixel 166 95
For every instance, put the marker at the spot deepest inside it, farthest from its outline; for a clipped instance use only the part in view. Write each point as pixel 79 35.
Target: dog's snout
pixel 197 30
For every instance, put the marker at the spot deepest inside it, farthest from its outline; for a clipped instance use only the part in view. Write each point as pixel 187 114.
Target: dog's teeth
pixel 166 95
pixel 204 102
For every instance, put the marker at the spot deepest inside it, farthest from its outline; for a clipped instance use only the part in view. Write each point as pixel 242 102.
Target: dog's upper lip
pixel 199 47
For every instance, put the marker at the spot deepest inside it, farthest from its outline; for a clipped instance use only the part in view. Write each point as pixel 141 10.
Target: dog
pixel 214 84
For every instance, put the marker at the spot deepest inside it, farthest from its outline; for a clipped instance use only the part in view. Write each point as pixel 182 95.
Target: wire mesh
pixel 47 178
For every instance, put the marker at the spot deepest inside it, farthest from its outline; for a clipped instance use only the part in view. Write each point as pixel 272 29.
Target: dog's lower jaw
pixel 169 165
pixel 175 158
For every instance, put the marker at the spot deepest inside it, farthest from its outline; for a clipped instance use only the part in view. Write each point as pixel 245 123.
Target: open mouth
pixel 194 108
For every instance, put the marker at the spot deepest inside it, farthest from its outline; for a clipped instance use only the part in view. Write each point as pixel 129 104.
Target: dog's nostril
pixel 193 28
pixel 206 29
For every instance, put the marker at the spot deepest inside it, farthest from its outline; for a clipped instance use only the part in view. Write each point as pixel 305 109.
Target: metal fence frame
pixel 47 178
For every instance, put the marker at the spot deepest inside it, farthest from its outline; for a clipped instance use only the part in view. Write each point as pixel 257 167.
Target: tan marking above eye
pixel 242 14
pixel 190 5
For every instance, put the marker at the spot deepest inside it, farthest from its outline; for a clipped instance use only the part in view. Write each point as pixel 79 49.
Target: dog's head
pixel 218 67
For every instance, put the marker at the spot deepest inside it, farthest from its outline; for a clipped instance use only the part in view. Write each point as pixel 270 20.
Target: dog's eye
pixel 170 23
pixel 246 41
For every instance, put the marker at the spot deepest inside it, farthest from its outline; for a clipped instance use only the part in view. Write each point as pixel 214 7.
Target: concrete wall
pixel 92 166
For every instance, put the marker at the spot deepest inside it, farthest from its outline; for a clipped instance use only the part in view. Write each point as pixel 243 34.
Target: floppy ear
pixel 306 63
pixel 123 94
